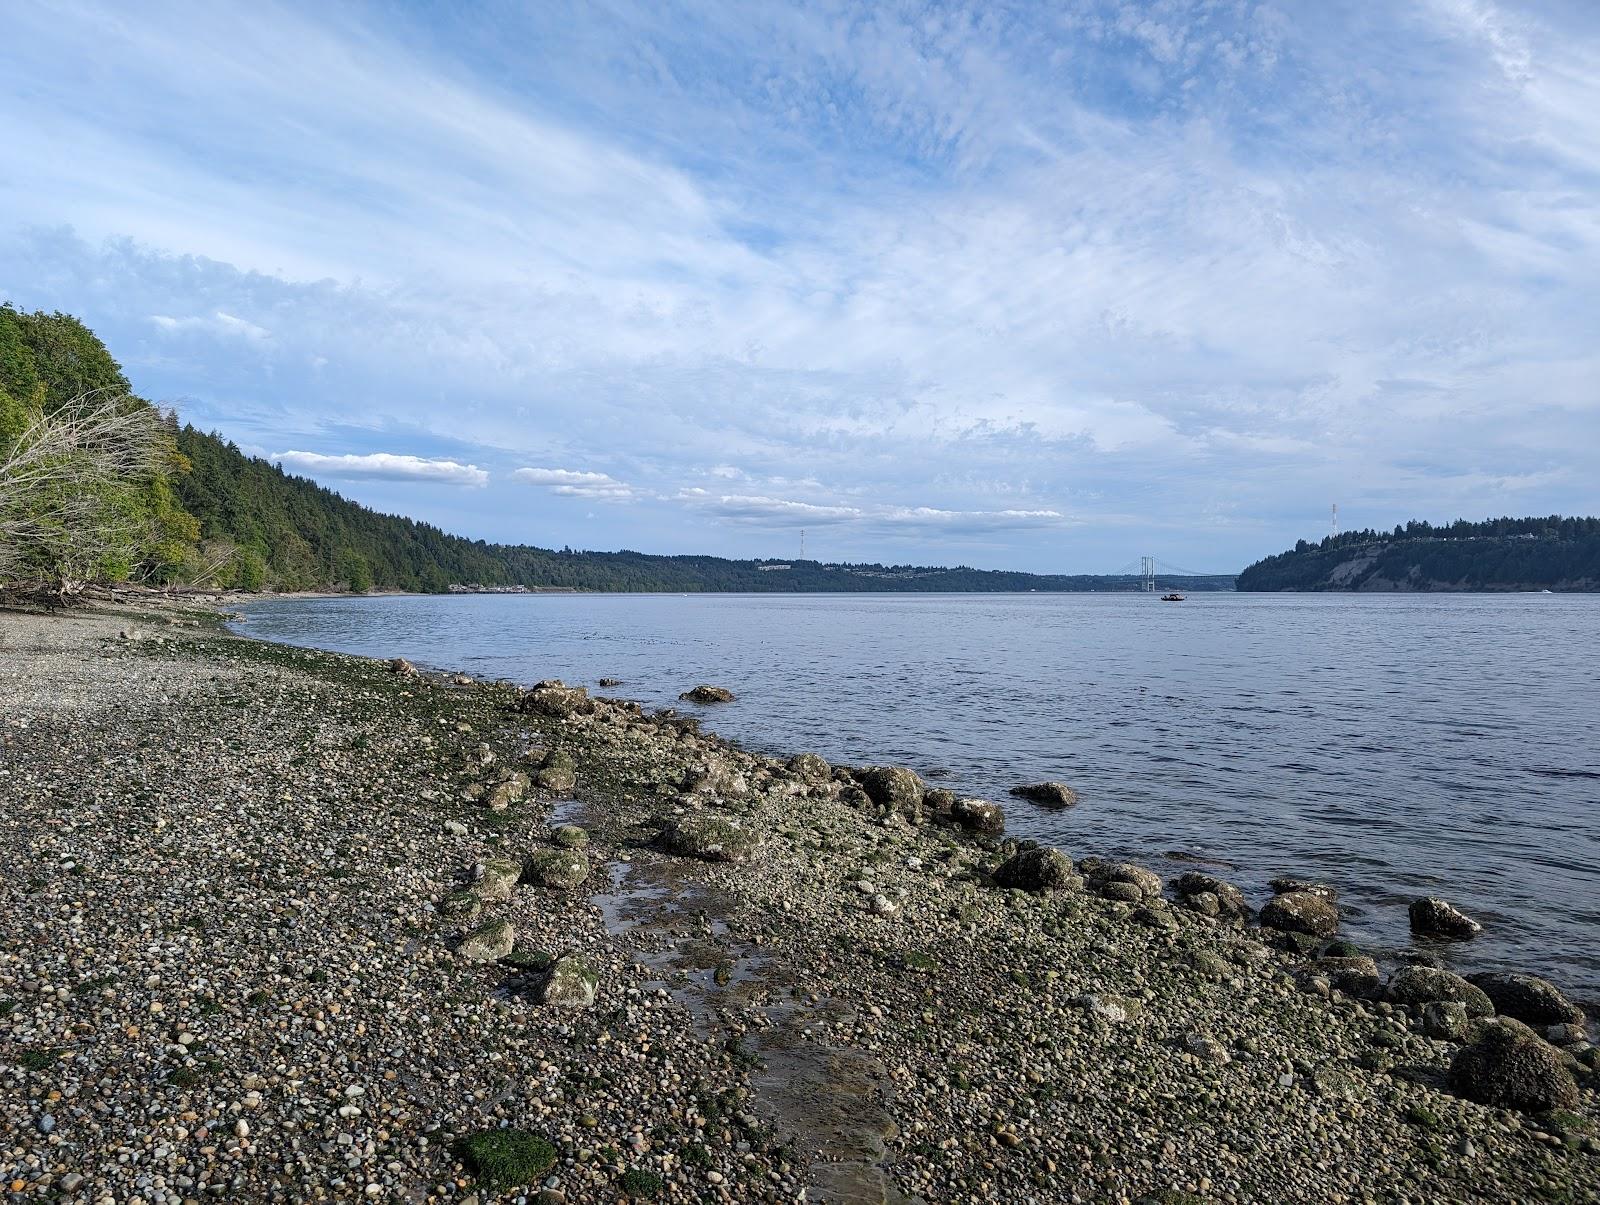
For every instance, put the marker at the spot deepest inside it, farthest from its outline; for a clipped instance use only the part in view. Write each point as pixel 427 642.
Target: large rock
pixel 513 788
pixel 556 698
pixel 708 694
pixel 1211 896
pixel 499 878
pixel 1121 880
pixel 1356 975
pixel 558 779
pixel 1047 794
pixel 489 942
pixel 1434 917
pixel 716 778
pixel 569 836
pixel 1042 869
pixel 713 838
pixel 571 983
pixel 1301 912
pixel 809 765
pixel 1527 998
pixel 562 869
pixel 1283 885
pixel 978 815
pixel 894 789
pixel 1511 1067
pixel 1418 985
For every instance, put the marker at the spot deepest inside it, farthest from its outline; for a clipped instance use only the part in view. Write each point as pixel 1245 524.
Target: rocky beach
pixel 284 925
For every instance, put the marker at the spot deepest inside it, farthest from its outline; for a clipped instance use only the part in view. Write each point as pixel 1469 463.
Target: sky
pixel 1035 286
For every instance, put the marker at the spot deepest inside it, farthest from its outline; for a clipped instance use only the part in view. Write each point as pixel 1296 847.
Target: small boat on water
pixel 1173 597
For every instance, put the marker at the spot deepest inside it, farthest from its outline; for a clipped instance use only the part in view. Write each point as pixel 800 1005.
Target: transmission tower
pixel 1335 518
pixel 1147 570
pixel 802 543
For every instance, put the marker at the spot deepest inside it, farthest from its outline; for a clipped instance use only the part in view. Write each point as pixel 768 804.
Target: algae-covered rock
pixel 1304 912
pixel 571 983
pixel 511 789
pixel 894 789
pixel 489 942
pixel 713 838
pixel 1121 880
pixel 1211 896
pixel 1284 885
pixel 979 816
pixel 1527 998
pixel 1355 975
pixel 556 698
pixel 1042 869
pixel 809 765
pixel 708 694
pixel 499 879
pixel 1047 794
pixel 1511 1067
pixel 569 836
pixel 1446 1020
pixel 558 780
pixel 507 1158
pixel 562 869
pixel 1434 917
pixel 1418 985
pixel 716 778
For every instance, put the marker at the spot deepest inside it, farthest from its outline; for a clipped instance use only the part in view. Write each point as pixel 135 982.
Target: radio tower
pixel 1335 518
pixel 802 543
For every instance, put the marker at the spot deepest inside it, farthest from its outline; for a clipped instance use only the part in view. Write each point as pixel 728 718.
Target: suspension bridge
pixel 1154 574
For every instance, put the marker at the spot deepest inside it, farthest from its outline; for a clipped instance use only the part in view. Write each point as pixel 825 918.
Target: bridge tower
pixel 1147 570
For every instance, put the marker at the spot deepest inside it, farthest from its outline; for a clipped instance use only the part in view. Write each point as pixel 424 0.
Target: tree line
pixel 1554 552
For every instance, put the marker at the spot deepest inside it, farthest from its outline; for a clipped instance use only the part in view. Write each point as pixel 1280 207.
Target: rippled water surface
pixel 1393 745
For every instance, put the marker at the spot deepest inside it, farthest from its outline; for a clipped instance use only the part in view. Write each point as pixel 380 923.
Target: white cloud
pixel 572 483
pixel 766 511
pixel 219 323
pixel 385 466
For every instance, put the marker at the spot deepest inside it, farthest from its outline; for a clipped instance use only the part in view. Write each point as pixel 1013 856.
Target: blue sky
pixel 1036 286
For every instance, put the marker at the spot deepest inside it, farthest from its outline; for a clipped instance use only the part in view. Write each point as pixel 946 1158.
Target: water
pixel 1391 745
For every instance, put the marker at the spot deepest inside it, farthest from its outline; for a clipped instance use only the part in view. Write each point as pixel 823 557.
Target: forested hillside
pixel 1554 553
pixel 216 517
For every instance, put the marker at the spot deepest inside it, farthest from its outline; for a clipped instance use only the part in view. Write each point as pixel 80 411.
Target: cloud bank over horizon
pixel 1004 285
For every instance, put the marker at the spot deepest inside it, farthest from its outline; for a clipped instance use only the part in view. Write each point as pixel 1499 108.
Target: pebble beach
pixel 285 925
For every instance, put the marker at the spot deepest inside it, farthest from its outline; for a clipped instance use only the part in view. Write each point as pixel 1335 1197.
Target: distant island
pixel 1554 553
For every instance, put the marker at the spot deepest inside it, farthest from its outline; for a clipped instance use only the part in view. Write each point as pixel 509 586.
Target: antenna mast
pixel 1335 518
pixel 802 543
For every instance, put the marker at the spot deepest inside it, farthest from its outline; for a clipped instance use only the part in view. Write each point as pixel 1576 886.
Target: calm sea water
pixel 1393 746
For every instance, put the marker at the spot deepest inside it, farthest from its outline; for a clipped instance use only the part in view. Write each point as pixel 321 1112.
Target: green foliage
pixel 67 516
pixel 641 1185
pixel 1554 553
pixel 507 1158
pixel 56 353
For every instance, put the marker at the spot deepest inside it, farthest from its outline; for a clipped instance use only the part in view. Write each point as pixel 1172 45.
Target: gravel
pixel 236 876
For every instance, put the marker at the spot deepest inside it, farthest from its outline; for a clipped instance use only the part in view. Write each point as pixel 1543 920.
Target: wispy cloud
pixel 220 323
pixel 574 483
pixel 785 512
pixel 385 466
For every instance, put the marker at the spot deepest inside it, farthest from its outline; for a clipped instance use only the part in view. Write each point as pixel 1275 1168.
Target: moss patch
pixel 507 1158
